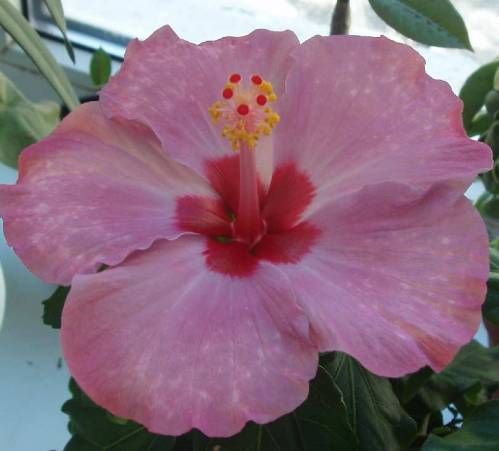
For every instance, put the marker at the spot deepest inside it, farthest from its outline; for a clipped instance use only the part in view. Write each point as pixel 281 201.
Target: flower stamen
pixel 244 110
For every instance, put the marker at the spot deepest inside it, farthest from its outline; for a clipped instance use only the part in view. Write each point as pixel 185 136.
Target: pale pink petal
pixel 164 341
pixel 91 193
pixel 360 110
pixel 397 277
pixel 170 88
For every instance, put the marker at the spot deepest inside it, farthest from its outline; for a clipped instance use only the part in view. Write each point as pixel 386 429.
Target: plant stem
pixel 340 22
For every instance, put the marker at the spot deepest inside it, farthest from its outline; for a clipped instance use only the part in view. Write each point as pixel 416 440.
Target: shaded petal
pixel 170 88
pixel 91 193
pixel 397 277
pixel 164 341
pixel 361 110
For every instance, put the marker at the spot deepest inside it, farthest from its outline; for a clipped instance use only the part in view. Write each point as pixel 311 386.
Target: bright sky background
pixel 200 20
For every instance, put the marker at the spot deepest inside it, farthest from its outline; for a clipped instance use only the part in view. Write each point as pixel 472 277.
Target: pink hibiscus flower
pixel 257 202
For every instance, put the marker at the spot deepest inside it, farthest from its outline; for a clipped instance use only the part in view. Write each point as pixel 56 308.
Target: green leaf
pixel 21 31
pixel 474 90
pixel 431 22
pixel 490 308
pixel 473 364
pixel 407 387
pixel 324 416
pixel 57 13
pixel 52 307
pixel 479 124
pixel 100 67
pixel 480 432
pixel 94 429
pixel 492 138
pixel 374 411
pixel 321 423
pixel 494 255
pixel 22 122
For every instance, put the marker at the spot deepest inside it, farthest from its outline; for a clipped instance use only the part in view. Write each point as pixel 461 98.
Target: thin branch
pixel 340 22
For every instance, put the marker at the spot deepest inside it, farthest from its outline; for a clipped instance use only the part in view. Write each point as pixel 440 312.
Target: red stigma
pixel 235 78
pixel 256 79
pixel 261 100
pixel 227 93
pixel 243 109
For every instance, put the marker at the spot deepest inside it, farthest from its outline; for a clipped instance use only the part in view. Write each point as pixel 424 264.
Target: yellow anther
pixel 244 112
pixel 267 88
pixel 215 112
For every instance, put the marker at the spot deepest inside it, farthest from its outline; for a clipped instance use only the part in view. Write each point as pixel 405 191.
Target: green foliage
pixel 431 22
pixel 348 409
pixel 100 68
pixel 492 136
pixel 491 307
pixel 319 424
pixel 374 411
pixel 473 94
pixel 474 364
pixel 94 429
pixel 57 13
pixel 52 307
pixel 21 31
pixel 22 122
pixel 492 102
pixel 480 432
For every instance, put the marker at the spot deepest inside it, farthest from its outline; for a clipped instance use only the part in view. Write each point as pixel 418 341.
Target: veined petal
pixel 91 193
pixel 360 110
pixel 397 278
pixel 163 340
pixel 170 88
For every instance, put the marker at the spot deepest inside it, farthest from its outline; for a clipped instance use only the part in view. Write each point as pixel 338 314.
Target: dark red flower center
pixel 283 237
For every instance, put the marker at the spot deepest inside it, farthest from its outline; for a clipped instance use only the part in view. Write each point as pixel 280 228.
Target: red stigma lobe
pixel 261 100
pixel 235 78
pixel 256 79
pixel 243 109
pixel 227 93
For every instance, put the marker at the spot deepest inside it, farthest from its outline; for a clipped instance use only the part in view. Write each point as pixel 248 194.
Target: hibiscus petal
pixel 91 193
pixel 170 88
pixel 361 110
pixel 164 341
pixel 397 277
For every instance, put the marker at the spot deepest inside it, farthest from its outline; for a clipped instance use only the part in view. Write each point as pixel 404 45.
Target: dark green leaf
pixel 494 255
pixel 431 22
pixel 324 416
pixel 480 432
pixel 474 363
pixel 490 308
pixel 471 398
pixel 320 423
pixel 22 122
pixel 490 180
pixel 492 101
pixel 374 411
pixel 52 307
pixel 21 31
pixel 479 125
pixel 57 13
pixel 489 208
pixel 474 90
pixel 407 387
pixel 492 138
pixel 94 429
pixel 79 444
pixel 100 67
